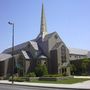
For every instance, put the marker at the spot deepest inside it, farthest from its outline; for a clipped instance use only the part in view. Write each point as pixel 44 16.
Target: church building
pixel 46 48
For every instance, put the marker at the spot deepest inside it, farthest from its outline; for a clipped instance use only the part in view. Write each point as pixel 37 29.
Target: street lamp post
pixel 10 23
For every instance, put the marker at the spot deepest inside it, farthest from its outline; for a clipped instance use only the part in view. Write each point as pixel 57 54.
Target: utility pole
pixel 10 23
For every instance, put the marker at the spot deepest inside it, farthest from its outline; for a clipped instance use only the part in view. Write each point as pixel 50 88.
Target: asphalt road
pixel 15 87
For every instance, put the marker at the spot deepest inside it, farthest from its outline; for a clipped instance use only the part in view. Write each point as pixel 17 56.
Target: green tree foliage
pixel 31 74
pixel 41 70
pixel 80 67
pixel 73 69
pixel 85 66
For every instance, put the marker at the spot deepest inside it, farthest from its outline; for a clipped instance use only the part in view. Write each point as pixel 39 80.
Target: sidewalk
pixel 84 85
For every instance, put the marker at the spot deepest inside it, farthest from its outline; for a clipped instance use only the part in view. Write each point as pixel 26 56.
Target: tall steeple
pixel 43 28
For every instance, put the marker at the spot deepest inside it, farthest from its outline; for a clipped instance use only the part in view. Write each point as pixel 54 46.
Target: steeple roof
pixel 43 28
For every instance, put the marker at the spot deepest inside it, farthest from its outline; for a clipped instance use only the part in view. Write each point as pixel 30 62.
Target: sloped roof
pixel 77 51
pixel 50 34
pixel 17 47
pixel 42 57
pixel 25 54
pixel 34 44
pixel 88 54
pixel 39 38
pixel 3 57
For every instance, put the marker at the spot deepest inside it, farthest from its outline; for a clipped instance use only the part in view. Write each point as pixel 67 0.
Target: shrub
pixel 18 79
pixel 41 70
pixel 31 74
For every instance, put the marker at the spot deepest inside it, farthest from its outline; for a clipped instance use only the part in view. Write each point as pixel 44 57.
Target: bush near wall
pixel 31 79
pixel 41 70
pixel 17 79
pixel 31 74
pixel 22 79
pixel 80 67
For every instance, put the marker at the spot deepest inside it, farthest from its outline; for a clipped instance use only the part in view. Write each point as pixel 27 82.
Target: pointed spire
pixel 43 29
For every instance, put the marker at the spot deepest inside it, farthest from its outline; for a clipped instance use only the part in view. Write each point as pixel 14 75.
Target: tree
pixel 73 69
pixel 45 71
pixel 80 67
pixel 41 70
pixel 85 66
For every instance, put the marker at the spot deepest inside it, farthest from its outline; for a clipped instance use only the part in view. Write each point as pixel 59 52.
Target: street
pixel 15 87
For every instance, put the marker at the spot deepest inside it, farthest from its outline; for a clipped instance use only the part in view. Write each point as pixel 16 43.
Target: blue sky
pixel 70 18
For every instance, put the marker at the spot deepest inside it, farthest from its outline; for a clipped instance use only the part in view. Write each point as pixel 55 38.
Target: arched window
pixel 63 54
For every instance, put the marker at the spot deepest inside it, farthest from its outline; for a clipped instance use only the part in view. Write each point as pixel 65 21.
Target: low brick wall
pixel 48 79
pixel 33 78
pixel 53 78
pixel 22 79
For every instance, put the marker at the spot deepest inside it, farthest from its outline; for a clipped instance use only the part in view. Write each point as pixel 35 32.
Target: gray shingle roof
pixel 77 51
pixel 25 54
pixel 88 54
pixel 34 44
pixel 17 47
pixel 22 46
pixel 42 57
pixel 3 57
pixel 51 34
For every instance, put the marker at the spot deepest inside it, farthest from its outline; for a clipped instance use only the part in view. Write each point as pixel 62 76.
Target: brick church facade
pixel 46 48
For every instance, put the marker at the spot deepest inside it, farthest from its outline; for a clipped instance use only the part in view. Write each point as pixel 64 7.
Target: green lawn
pixel 65 81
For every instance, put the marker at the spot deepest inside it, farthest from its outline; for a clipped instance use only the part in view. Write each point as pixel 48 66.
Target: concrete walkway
pixel 84 85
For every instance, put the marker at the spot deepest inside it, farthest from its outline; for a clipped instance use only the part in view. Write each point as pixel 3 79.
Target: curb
pixel 45 86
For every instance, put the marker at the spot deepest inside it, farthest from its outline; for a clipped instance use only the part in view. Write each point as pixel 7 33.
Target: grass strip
pixel 64 81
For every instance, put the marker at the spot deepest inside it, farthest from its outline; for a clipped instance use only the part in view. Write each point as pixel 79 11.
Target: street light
pixel 10 23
